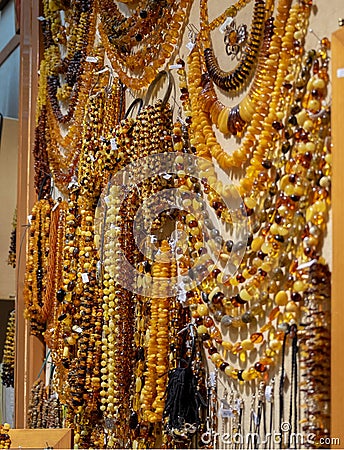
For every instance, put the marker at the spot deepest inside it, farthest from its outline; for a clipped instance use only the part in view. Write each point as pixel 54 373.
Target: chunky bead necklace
pixel 238 78
pixel 125 33
pixel 7 373
pixel 36 264
pixel 139 69
pixel 270 243
pixel 81 22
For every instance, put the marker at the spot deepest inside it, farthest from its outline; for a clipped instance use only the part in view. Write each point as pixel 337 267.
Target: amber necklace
pixel 81 23
pixel 238 78
pixel 232 120
pixel 206 142
pixel 127 32
pixel 269 243
pixel 139 69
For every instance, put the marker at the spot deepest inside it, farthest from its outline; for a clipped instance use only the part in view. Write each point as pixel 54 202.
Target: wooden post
pixel 337 338
pixel 29 350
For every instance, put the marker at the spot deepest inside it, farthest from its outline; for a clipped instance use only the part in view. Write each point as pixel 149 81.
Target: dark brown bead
pixel 223 366
pixel 277 125
pixel 212 350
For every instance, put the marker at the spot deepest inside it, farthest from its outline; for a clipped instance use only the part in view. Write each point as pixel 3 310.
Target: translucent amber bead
pixel 201 329
pixel 299 286
pixel 274 313
pixel 257 338
pixel 247 344
pixel 227 345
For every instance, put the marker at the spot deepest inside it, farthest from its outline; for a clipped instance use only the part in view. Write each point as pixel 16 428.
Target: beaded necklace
pixel 81 20
pixel 238 78
pixel 78 325
pixel 36 264
pixel 7 373
pixel 127 32
pixel 139 69
pixel 271 243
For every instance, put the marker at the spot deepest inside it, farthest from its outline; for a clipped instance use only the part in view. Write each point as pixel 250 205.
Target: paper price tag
pixel 113 144
pixel 190 46
pixel 340 73
pixel 176 66
pixel 268 393
pixel 225 24
pixel 226 413
pixel 85 278
pixel 91 59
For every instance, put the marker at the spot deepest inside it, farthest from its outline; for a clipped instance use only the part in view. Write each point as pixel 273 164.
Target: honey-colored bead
pixel 281 298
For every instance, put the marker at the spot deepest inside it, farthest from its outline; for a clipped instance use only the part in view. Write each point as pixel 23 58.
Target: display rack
pixel 30 350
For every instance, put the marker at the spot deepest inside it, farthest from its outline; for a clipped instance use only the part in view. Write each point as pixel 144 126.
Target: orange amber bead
pixel 274 313
pixel 257 338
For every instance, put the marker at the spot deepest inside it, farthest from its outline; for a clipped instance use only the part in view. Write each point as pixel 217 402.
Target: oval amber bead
pixel 257 338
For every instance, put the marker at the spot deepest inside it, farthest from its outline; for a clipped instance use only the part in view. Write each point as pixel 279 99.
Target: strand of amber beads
pixel 152 395
pixel 204 138
pixel 236 79
pixel 152 58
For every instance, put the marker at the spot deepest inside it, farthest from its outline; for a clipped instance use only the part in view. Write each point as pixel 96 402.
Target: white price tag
pixel 225 24
pixel 268 393
pixel 113 144
pixel 176 66
pixel 226 412
pixel 307 264
pixel 340 73
pixel 190 46
pixel 91 59
pixel 84 277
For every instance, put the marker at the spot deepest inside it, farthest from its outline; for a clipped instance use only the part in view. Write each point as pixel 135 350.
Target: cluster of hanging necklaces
pixel 174 261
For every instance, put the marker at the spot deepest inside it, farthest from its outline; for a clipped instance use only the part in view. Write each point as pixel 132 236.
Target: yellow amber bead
pixel 299 286
pixel 201 329
pixel 245 295
pixel 281 298
pixel 250 202
pixel 215 357
pixel 227 345
pixel 247 344
pixel 202 309
pixel 229 371
pixel 257 243
pixel 275 345
pixel 292 307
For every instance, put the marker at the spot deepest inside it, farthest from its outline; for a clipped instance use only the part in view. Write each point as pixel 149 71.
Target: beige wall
pixel 8 194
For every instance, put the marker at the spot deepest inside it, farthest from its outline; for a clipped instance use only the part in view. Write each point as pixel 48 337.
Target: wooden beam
pixel 9 48
pixel 337 304
pixel 29 349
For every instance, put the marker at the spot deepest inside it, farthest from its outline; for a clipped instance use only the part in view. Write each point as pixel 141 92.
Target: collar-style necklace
pixel 139 68
pixel 237 79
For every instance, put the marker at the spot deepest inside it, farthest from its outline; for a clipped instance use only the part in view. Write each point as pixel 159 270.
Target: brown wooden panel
pixel 9 48
pixel 29 350
pixel 41 438
pixel 337 357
